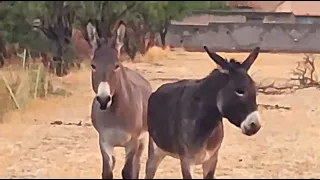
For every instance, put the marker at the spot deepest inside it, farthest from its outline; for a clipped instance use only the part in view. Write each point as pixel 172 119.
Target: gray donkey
pixel 185 117
pixel 119 108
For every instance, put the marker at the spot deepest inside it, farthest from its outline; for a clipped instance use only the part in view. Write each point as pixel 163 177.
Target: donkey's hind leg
pixel 209 167
pixel 186 168
pixel 108 160
pixel 155 156
pixel 134 151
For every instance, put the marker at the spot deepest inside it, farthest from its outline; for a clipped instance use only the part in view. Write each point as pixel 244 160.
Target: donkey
pixel 185 117
pixel 119 109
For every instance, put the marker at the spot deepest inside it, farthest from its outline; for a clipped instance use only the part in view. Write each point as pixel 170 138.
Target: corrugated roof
pixel 311 8
pixel 266 5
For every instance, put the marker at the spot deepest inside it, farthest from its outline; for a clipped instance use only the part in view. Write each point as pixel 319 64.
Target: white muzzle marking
pixel 104 91
pixel 251 121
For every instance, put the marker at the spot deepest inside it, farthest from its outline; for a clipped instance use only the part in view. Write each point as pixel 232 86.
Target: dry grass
pixel 26 85
pixel 285 147
pixel 153 55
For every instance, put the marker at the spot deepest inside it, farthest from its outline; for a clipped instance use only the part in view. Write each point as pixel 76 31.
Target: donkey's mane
pixel 233 62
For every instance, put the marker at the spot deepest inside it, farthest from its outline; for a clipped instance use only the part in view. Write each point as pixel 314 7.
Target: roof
pixel 266 5
pixel 301 7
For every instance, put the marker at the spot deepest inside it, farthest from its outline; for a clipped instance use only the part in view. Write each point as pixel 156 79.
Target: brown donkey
pixel 119 109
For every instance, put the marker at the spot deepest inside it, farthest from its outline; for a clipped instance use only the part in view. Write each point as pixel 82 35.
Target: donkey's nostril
pixel 108 98
pixel 252 125
pixel 103 101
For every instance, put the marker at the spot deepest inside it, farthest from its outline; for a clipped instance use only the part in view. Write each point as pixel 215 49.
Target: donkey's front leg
pixel 108 159
pixel 186 168
pixel 137 158
pixel 134 151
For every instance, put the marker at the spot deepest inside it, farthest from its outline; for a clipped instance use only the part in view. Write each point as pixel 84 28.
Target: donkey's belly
pixel 212 147
pixel 209 149
pixel 198 158
pixel 205 155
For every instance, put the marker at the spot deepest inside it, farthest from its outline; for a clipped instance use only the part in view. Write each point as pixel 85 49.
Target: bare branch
pixel 303 77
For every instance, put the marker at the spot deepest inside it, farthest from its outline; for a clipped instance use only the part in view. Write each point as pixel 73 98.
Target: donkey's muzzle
pixel 251 125
pixel 104 101
pixel 253 129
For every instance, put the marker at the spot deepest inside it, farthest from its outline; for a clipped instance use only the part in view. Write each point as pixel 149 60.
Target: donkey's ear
pixel 119 36
pixel 217 59
pixel 93 37
pixel 251 58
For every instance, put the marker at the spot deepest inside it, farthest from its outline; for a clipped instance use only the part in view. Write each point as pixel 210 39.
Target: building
pixel 306 12
pixel 299 8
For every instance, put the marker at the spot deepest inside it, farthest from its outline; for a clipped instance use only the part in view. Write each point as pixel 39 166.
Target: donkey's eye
pixel 239 92
pixel 93 67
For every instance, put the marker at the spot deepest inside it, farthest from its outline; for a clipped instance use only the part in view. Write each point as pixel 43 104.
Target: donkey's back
pixel 138 81
pixel 139 87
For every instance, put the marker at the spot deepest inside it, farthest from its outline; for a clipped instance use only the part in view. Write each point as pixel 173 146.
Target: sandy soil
pixel 286 147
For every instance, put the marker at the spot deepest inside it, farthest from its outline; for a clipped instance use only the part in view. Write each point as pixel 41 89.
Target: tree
pixel 141 22
pixel 101 14
pixel 154 17
pixel 177 10
pixel 16 19
pixel 55 20
pixel 56 24
pixel 173 10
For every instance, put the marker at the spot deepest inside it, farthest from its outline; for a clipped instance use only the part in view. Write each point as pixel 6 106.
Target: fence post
pixel 24 58
pixel 37 82
pixel 10 91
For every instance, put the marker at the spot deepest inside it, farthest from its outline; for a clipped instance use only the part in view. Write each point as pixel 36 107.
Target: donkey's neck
pixel 122 87
pixel 210 86
pixel 207 93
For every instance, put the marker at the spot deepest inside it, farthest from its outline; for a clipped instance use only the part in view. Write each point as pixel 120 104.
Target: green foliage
pixel 156 13
pixel 105 11
pixel 16 17
pixel 150 12
pixel 16 24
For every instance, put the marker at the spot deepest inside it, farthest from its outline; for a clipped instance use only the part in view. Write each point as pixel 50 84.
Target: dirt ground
pixel 286 146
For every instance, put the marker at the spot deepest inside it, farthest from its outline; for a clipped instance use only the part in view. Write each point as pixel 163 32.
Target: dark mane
pixel 233 62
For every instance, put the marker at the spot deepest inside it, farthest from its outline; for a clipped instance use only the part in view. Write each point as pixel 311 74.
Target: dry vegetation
pixel 20 86
pixel 153 55
pixel 284 148
pixel 303 76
